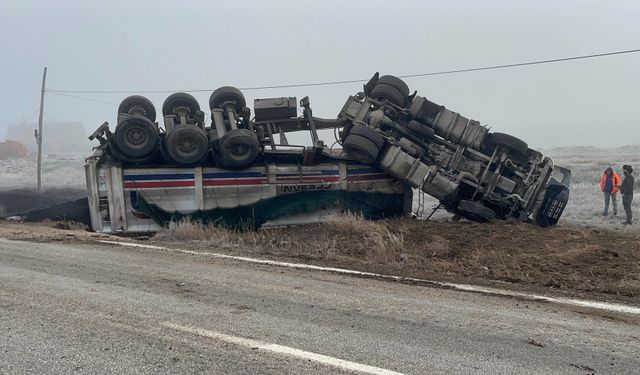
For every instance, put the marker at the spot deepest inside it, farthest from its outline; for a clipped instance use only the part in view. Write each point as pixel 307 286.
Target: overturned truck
pixel 241 170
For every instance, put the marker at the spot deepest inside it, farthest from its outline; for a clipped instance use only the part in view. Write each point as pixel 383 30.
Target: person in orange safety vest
pixel 610 185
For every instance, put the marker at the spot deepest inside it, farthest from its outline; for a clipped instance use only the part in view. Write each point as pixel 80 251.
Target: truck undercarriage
pixel 411 140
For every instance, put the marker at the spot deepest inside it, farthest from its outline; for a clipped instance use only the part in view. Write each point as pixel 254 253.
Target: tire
pixel 390 93
pixel 138 105
pixel 361 149
pixel 177 100
pixel 368 133
pixel 420 129
pixel 186 145
pixel 227 94
pixel 118 155
pixel 516 146
pixel 136 137
pixel 238 148
pixel 396 83
pixel 475 211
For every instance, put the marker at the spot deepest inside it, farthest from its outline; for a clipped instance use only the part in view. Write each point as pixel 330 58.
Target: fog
pixel 180 45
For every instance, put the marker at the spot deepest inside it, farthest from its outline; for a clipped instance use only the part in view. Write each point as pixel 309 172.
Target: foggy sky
pixel 179 45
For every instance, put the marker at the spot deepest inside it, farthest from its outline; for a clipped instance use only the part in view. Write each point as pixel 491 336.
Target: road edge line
pixel 614 307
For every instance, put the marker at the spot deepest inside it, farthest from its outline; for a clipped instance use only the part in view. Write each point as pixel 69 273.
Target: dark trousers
pixel 614 200
pixel 626 203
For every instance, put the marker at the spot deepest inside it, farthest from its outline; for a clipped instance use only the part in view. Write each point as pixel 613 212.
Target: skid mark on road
pixel 284 350
pixel 613 307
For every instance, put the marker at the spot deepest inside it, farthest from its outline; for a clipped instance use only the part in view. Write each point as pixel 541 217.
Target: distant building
pixel 58 138
pixel 12 150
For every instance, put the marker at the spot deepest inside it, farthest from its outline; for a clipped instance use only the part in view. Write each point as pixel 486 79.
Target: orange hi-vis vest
pixel 615 180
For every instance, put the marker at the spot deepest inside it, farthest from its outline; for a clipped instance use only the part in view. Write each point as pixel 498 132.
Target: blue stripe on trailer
pixel 164 176
pixel 364 170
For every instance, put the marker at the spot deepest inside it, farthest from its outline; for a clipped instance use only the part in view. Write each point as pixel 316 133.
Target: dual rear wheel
pixel 186 145
pixel 136 138
pixel 392 89
pixel 363 144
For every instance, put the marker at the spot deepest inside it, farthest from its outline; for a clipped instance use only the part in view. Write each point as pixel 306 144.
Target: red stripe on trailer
pixel 139 215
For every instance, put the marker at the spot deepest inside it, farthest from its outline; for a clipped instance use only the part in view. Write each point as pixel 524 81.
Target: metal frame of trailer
pixel 136 199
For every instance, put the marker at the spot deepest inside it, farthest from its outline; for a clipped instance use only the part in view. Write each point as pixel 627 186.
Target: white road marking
pixel 285 350
pixel 614 307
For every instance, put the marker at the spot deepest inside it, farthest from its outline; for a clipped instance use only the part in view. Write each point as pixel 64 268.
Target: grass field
pixel 587 164
pixel 57 172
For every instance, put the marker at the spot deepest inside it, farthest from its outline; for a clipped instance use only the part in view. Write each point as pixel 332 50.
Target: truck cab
pixel 473 172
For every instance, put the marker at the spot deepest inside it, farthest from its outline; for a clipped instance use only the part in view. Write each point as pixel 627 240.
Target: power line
pixel 24 121
pixel 68 139
pixel 78 97
pixel 327 83
pixel 549 61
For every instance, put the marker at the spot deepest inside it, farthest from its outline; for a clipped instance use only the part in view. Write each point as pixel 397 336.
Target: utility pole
pixel 39 131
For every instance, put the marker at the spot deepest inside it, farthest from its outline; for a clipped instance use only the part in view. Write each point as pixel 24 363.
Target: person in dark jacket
pixel 610 185
pixel 626 190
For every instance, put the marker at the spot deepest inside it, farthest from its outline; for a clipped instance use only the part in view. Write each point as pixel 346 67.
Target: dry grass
pixel 372 239
pixel 188 230
pixel 565 258
pixel 347 236
pixel 69 225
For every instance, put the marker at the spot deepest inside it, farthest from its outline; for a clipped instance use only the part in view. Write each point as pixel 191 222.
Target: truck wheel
pixel 368 133
pixel 174 102
pixel 475 211
pixel 516 146
pixel 396 83
pixel 227 94
pixel 118 155
pixel 392 94
pixel 138 105
pixel 238 149
pixel 136 137
pixel 361 149
pixel 186 145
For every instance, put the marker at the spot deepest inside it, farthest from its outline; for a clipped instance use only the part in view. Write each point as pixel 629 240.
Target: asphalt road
pixel 87 308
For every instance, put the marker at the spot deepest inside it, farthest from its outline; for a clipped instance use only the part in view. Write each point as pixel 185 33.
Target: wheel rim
pixel 187 146
pixel 137 110
pixel 135 137
pixel 137 106
pixel 239 149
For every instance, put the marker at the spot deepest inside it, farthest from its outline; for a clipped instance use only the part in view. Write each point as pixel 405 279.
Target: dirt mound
pixel 74 211
pixel 565 258
pixel 562 257
pixel 22 201
pixel 12 150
